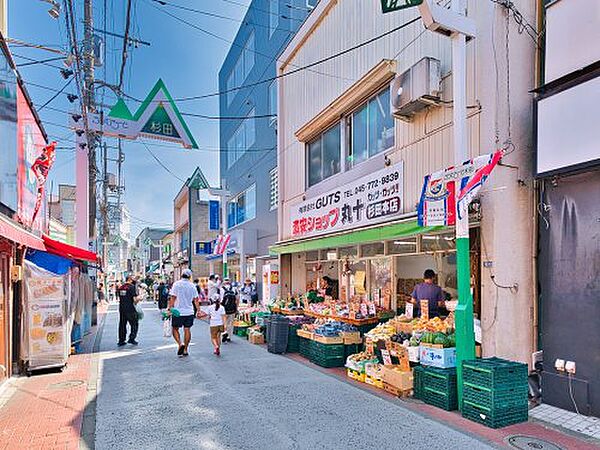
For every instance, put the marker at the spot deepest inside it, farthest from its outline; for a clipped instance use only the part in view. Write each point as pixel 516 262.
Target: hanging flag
pixel 222 243
pixel 41 167
pixel 443 189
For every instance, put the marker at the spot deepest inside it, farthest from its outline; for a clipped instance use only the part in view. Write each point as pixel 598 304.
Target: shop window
pixel 241 68
pixel 273 97
pixel 402 246
pixel 371 129
pixel 273 16
pixel 348 252
pixel 381 282
pixel 324 156
pixel 312 256
pixel 374 249
pixel 438 242
pixel 243 138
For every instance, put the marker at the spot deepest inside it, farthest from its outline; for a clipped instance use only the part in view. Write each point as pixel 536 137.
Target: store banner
pixel 214 212
pixel 8 133
pixel 372 199
pixel 31 144
pixel 443 189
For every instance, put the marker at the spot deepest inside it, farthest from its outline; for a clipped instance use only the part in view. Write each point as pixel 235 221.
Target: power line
pixel 161 163
pixel 219 16
pixel 55 95
pixel 38 61
pixel 41 61
pixel 298 69
pixel 125 39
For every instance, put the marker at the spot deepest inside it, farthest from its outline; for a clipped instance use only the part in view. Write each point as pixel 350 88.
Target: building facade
pixel 568 171
pixel 192 238
pixel 347 134
pixel 248 163
pixel 148 249
pixel 62 208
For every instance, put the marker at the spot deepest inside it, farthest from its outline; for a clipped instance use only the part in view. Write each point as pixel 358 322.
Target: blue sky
pixel 186 59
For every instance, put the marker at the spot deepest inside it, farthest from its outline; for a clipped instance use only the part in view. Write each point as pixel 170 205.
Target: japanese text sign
pixel 375 198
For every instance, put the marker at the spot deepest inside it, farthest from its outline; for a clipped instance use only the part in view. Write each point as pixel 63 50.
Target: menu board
pixel 46 294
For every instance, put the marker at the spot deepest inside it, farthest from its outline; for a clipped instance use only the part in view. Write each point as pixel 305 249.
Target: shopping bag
pixel 167 328
pixel 139 311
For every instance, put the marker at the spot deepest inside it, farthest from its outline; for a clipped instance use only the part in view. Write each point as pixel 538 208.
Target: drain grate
pixel 66 384
pixel 531 443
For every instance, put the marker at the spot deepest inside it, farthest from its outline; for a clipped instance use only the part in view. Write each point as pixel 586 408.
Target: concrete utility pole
pixel 88 69
pixel 104 210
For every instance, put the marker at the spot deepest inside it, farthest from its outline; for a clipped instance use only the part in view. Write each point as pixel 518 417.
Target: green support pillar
pixel 225 274
pixel 465 334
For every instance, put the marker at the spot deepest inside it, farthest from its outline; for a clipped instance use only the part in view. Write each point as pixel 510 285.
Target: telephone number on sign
pixel 374 184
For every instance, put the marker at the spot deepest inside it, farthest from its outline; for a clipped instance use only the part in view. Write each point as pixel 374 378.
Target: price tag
pixel 363 310
pixel 369 348
pixel 387 358
pixel 409 310
pixel 402 353
pixel 372 310
pixel 424 309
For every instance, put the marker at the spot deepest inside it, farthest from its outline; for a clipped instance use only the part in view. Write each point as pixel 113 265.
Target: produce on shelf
pixel 381 332
pixel 240 324
pixel 333 328
pixel 433 325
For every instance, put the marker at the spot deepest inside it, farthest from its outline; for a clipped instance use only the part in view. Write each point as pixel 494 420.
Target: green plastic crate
pixel 327 350
pixel 495 373
pixel 240 331
pixel 328 362
pixel 418 382
pixel 351 349
pixel 495 398
pixel 497 418
pixel 443 380
pixel 304 347
pixel 440 399
pixel 293 339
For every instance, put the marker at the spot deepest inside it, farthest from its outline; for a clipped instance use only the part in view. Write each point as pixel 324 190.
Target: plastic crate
pixel 328 362
pixel 440 399
pixel 494 373
pixel 495 398
pixel 443 380
pixel 418 382
pixel 355 375
pixel 240 331
pixel 328 350
pixel 351 349
pixel 498 418
pixel 305 347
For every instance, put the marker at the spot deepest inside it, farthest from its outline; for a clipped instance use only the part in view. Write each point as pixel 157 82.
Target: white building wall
pixel 425 144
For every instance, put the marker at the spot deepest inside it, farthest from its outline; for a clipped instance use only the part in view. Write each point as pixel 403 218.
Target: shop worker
pixel 127 313
pixel 428 290
pixel 184 296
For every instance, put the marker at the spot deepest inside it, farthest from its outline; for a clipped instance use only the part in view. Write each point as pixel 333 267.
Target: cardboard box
pixel 413 354
pixel 437 357
pixel 257 339
pixel 396 378
pixel 328 340
pixel 351 337
pixel 305 334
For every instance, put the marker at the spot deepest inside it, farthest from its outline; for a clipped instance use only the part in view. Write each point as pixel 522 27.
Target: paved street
pixel 248 398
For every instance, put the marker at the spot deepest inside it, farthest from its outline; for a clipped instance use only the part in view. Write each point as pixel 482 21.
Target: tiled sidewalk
pixel 590 426
pixel 46 411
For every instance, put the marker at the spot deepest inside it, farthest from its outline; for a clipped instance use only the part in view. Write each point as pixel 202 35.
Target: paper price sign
pixel 424 309
pixel 387 358
pixel 409 310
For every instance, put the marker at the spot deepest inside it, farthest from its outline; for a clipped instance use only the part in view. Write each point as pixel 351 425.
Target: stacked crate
pixel 293 339
pixel 495 392
pixel 436 387
pixel 327 355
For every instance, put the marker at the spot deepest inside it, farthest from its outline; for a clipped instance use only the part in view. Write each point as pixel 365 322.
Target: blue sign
pixel 214 214
pixel 203 248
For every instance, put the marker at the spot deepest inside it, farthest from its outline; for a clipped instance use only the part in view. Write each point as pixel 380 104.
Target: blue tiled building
pixel 248 134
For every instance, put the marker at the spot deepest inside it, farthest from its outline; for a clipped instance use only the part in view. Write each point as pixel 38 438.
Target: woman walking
pixel 216 314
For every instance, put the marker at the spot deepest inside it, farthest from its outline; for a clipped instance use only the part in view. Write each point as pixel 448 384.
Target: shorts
pixel 182 321
pixel 214 331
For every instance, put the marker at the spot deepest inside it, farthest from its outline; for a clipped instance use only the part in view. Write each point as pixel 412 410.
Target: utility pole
pixel 104 210
pixel 88 69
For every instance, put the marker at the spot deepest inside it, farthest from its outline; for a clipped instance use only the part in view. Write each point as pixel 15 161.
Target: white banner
pixel 372 199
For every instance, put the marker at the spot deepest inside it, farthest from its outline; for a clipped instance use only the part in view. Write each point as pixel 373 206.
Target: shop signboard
pixel 448 192
pixel 46 295
pixel 370 200
pixel 8 133
pixel 214 212
pixel 157 118
pixel 30 145
pixel 396 5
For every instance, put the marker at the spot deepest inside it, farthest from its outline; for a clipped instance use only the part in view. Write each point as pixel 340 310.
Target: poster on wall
pixel 8 133
pixel 46 295
pixel 372 199
pixel 30 145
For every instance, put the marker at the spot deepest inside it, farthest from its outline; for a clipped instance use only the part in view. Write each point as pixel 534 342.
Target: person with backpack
pixel 163 296
pixel 229 301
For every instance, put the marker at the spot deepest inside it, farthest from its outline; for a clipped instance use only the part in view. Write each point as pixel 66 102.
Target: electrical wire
pixel 161 163
pixel 37 61
pixel 125 44
pixel 293 71
pixel 41 61
pixel 55 95
pixel 570 377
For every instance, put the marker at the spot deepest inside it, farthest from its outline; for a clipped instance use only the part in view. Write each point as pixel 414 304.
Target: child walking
pixel 216 314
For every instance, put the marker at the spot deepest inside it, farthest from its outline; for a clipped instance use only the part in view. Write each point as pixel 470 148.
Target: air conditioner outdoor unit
pixel 416 89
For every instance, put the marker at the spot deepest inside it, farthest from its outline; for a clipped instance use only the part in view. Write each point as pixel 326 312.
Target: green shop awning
pixel 381 233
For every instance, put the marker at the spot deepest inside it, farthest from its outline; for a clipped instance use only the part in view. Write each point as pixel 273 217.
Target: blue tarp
pixel 52 263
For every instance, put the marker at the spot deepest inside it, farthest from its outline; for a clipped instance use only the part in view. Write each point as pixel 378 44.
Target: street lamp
pixel 54 12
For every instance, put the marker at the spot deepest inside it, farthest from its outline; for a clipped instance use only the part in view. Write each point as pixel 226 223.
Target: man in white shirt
pixel 183 295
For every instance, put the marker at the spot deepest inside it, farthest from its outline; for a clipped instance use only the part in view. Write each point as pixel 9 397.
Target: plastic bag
pixel 139 311
pixel 167 328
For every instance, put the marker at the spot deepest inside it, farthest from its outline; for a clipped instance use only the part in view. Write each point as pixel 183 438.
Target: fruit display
pixel 439 338
pixel 400 337
pixel 433 325
pixel 381 332
pixel 240 324
pixel 333 328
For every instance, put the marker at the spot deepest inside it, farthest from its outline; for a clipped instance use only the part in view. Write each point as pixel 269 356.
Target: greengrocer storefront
pixel 379 264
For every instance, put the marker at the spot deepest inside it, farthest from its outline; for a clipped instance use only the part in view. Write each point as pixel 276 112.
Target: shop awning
pixel 12 231
pixel 381 233
pixel 68 251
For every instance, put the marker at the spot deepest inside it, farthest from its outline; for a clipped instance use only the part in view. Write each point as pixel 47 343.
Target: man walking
pixel 127 312
pixel 183 298
pixel 230 303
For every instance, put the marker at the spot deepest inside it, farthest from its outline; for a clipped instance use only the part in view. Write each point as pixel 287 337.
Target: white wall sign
pixel 375 198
